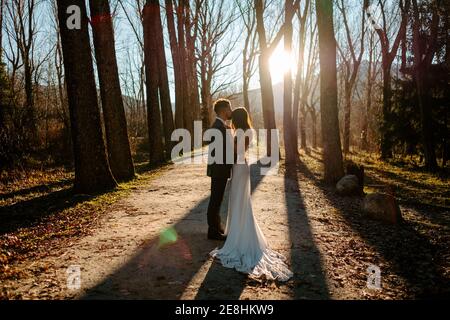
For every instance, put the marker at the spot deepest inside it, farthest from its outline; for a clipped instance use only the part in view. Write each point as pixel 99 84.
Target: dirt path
pixel 152 245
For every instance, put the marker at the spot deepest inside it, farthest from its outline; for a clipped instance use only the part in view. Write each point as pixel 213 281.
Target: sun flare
pixel 281 62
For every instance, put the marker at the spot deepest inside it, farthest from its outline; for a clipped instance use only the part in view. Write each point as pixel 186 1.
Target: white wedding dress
pixel 246 248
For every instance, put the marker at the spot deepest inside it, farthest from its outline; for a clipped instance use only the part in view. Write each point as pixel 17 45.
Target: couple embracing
pixel 245 248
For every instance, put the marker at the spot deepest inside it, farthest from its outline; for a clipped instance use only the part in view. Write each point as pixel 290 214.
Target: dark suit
pixel 219 173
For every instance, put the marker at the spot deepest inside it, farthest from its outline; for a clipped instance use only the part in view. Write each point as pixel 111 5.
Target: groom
pixel 219 172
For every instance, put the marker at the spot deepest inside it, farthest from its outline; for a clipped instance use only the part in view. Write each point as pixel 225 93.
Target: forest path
pixel 152 245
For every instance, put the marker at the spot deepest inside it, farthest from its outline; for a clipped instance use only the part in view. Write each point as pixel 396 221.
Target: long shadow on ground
pixel 165 272
pixel 28 213
pixel 412 256
pixel 309 277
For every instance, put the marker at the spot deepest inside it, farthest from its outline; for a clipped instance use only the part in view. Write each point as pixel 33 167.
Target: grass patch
pixel 412 184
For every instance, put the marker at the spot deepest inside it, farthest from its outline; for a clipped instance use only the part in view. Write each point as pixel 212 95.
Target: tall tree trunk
pixel 264 76
pixel 289 142
pixel 31 120
pixel 245 96
pixel 152 81
pixel 425 107
pixel 267 98
pixel 386 151
pixel 205 94
pixel 245 71
pixel 370 80
pixel 332 154
pixel 188 116
pixel 92 172
pixel 299 113
pixel 2 6
pixel 424 52
pixel 302 126
pixel 387 57
pixel 153 9
pixel 347 112
pixel 118 145
pixel 314 129
pixel 2 70
pixel 191 62
pixel 351 70
pixel 179 94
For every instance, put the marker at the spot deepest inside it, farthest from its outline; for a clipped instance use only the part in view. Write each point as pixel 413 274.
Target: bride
pixel 246 248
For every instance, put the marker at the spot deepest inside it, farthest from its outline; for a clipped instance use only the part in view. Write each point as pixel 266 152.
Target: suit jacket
pixel 220 170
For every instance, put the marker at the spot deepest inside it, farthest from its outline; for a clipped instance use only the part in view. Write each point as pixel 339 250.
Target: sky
pixel 128 49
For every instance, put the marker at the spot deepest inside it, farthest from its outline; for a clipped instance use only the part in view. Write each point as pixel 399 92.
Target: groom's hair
pixel 221 104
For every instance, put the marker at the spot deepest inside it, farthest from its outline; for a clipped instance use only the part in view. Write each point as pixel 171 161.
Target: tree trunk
pixel 188 116
pixel 347 111
pixel 31 120
pixel 423 58
pixel 2 70
pixel 386 152
pixel 192 64
pixel 267 98
pixel 246 72
pixel 290 146
pixel 445 142
pixel 156 148
pixel 179 102
pixel 302 126
pixel 314 129
pixel 387 57
pixel 332 155
pixel 265 77
pixel 118 145
pixel 245 96
pixel 370 80
pixel 154 13
pixel 426 121
pixel 299 114
pixel 92 172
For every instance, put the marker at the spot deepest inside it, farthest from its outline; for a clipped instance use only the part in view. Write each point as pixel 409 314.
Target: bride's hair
pixel 241 119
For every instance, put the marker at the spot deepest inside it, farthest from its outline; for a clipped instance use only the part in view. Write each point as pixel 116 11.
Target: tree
pixel 250 45
pixel 306 81
pixel 332 155
pixel 266 49
pixel 118 145
pixel 152 83
pixel 424 49
pixel 182 36
pixel 154 38
pixel 301 85
pixel 92 172
pixel 351 68
pixel 133 78
pixel 191 27
pixel 23 32
pixel 290 141
pixel 388 54
pixel 3 77
pixel 214 21
pixel 2 7
pixel 177 61
pixel 370 82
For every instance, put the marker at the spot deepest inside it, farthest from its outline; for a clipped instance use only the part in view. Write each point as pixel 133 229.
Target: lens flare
pixel 167 237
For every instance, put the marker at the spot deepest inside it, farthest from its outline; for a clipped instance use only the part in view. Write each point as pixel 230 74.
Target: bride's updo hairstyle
pixel 240 119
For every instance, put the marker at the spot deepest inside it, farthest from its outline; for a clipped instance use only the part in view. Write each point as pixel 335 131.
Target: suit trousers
pixel 218 186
